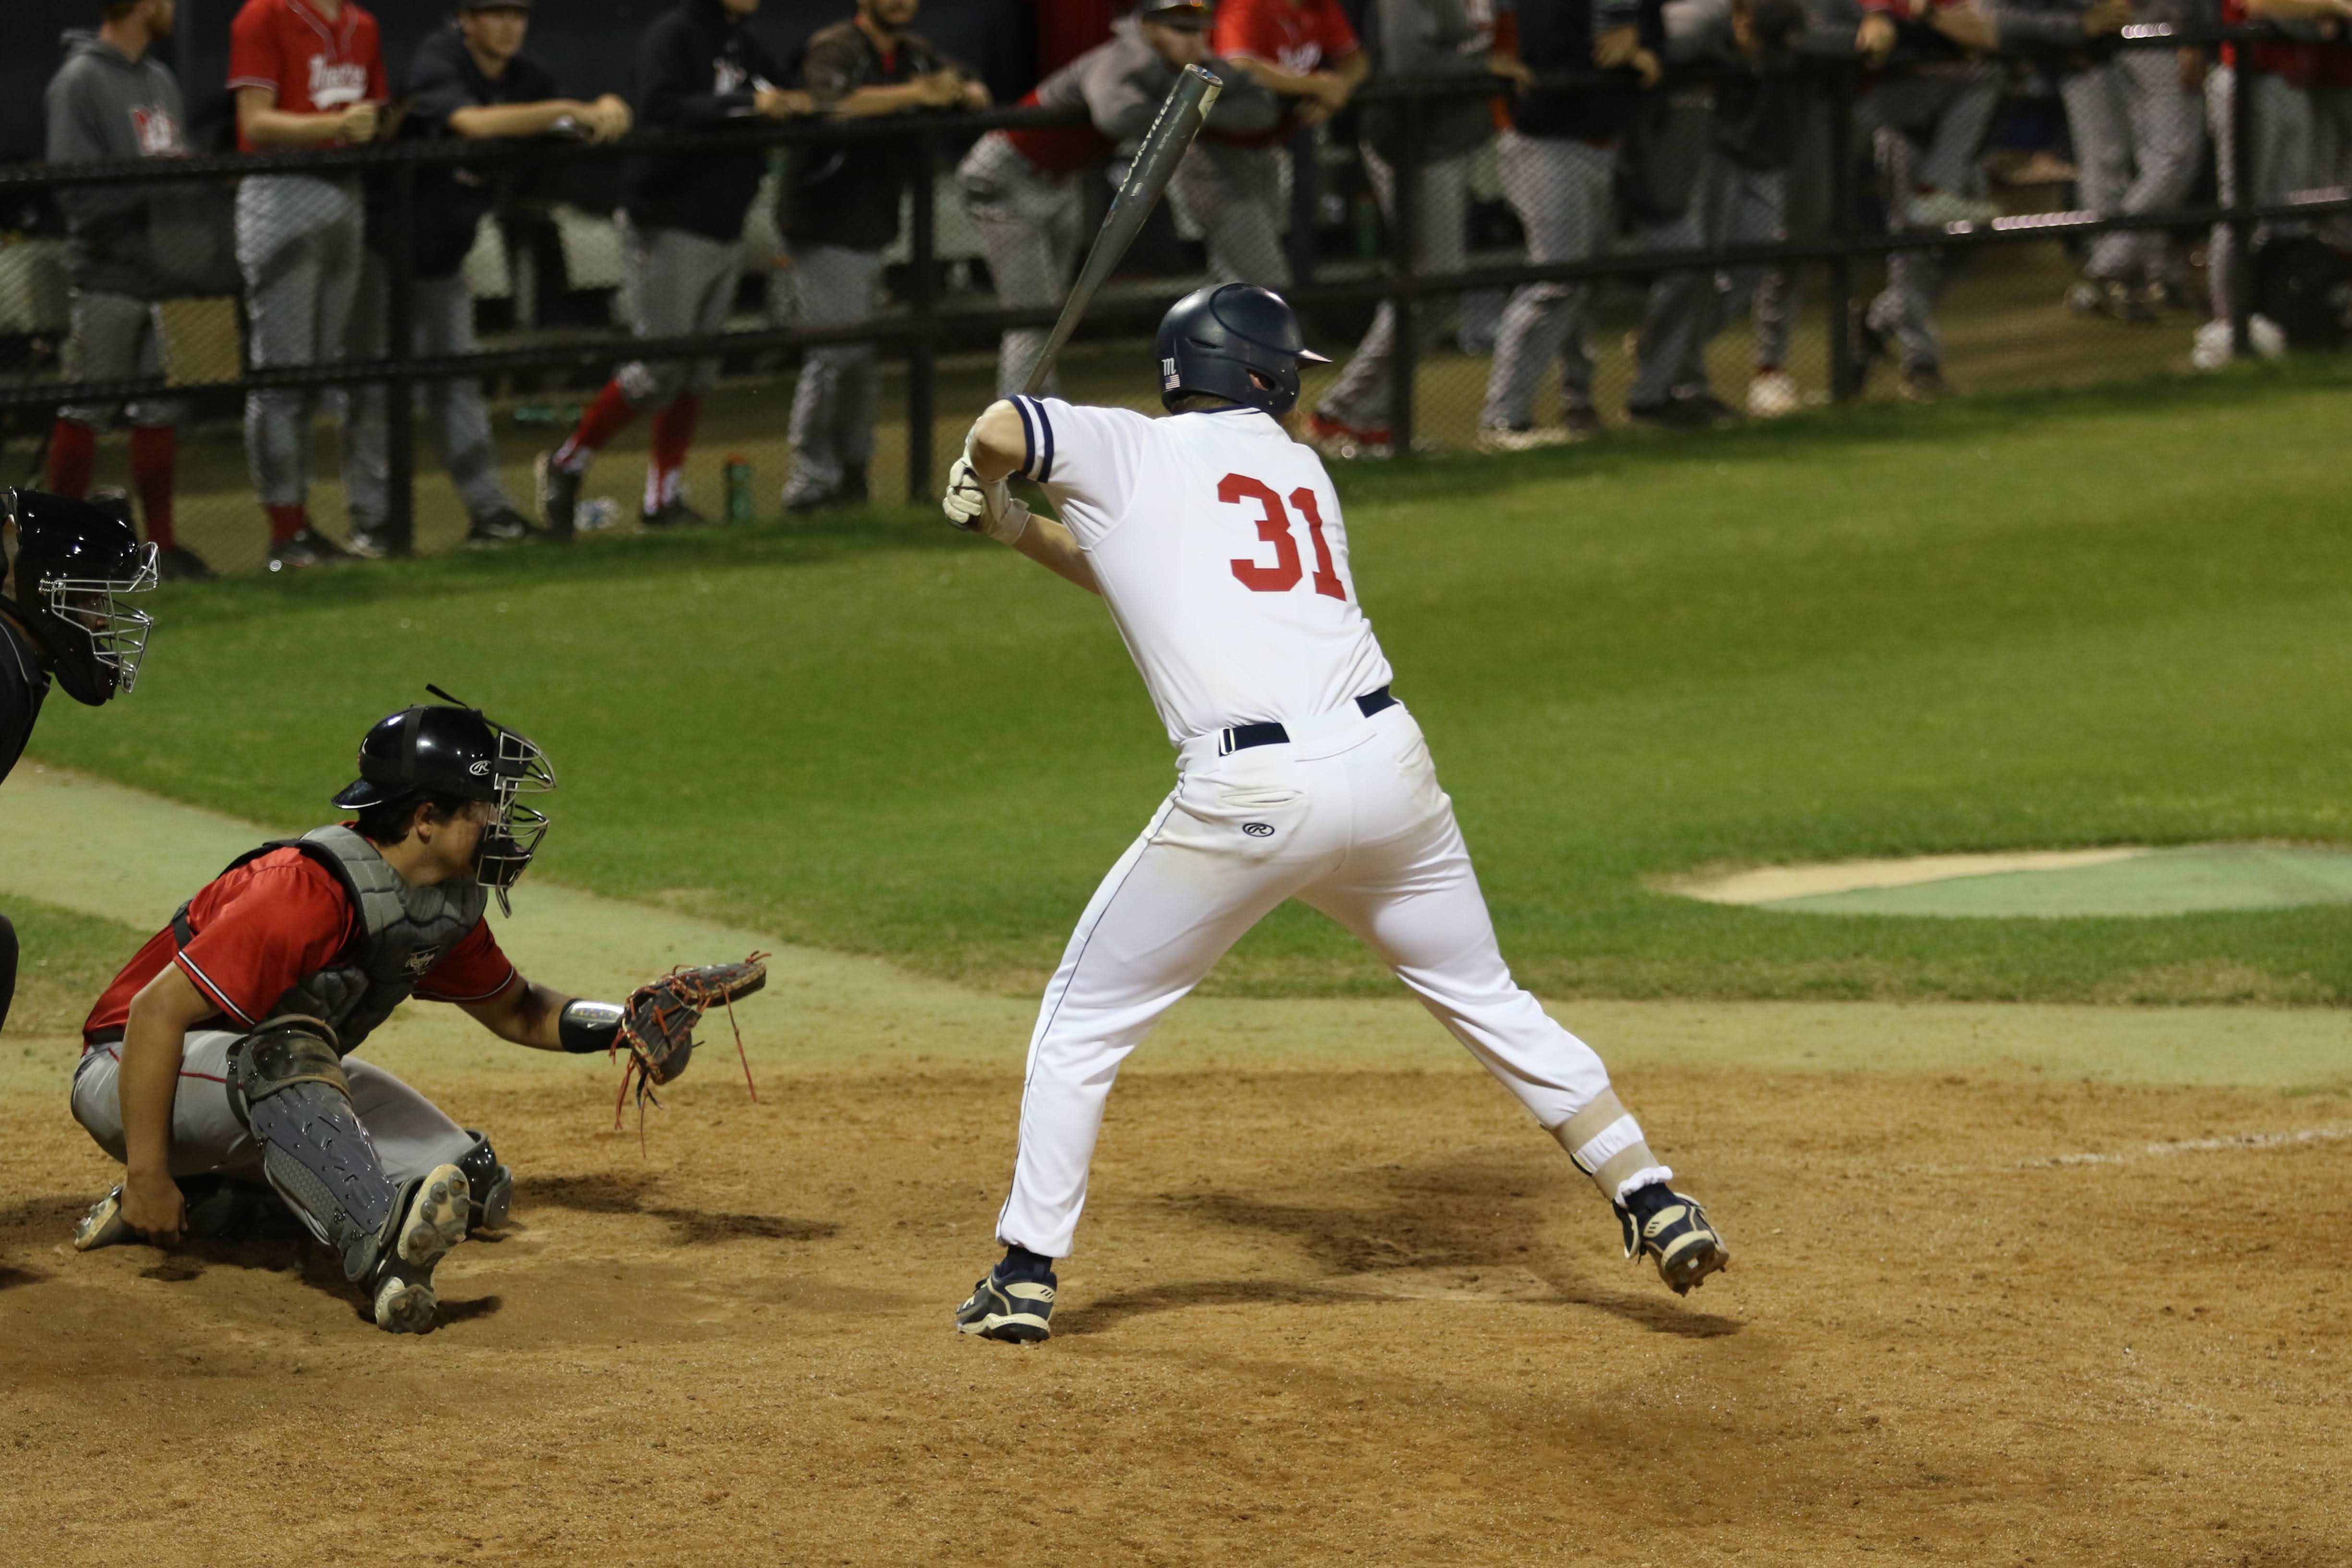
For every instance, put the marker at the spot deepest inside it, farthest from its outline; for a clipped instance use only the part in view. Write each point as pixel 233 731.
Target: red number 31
pixel 1274 528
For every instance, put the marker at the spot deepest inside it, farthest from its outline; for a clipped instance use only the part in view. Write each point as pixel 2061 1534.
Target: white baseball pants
pixel 1349 818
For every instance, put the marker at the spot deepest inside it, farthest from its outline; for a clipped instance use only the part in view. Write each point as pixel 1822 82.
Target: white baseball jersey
pixel 1218 543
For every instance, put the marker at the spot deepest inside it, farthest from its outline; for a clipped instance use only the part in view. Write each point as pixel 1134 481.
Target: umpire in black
pixel 839 213
pixel 65 567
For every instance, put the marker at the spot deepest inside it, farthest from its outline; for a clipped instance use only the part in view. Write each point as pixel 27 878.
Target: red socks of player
pixel 673 435
pixel 607 417
pixel 285 521
pixel 610 415
pixel 73 463
pixel 73 458
pixel 154 453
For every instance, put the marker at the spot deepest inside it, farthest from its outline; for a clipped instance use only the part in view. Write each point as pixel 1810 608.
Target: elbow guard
pixel 585 1027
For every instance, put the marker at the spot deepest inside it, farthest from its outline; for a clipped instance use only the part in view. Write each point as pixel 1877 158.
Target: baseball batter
pixel 1218 544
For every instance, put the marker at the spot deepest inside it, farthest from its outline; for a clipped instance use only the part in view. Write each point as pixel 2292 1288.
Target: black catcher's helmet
pixel 75 563
pixel 454 749
pixel 1212 339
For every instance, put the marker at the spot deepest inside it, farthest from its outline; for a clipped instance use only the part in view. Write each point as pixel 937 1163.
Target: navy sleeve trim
pixel 1037 439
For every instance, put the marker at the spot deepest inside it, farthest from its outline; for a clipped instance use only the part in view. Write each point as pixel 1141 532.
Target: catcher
pixel 217 1066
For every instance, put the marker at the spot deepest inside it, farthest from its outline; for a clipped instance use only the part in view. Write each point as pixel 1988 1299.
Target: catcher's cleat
pixel 103 1225
pixel 1663 1223
pixel 431 1220
pixel 1013 1308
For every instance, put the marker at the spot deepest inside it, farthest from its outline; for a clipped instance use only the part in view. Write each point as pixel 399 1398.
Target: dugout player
pixel 1559 158
pixel 307 73
pixel 2281 74
pixel 1021 185
pixel 114 98
pixel 1216 542
pixel 469 78
pixel 66 566
pixel 1306 54
pixel 1415 38
pixel 840 214
pixel 219 1059
pixel 681 217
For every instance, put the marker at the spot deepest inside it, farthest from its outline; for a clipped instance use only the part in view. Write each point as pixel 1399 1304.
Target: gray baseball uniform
pixel 2281 160
pixel 1563 189
pixel 441 316
pixel 2138 135
pixel 299 245
pixel 1235 191
pixel 1414 38
pixel 410 1133
pixel 103 105
pixel 1731 205
pixel 1021 186
pixel 674 283
pixel 832 406
pixel 1925 131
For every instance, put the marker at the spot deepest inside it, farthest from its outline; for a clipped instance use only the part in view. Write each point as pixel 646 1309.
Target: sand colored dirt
pixel 2011 1285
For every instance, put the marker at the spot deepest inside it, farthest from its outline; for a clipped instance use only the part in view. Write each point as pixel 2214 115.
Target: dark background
pixel 587 42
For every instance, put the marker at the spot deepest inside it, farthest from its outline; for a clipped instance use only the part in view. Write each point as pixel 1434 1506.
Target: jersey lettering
pixel 1326 580
pixel 1274 528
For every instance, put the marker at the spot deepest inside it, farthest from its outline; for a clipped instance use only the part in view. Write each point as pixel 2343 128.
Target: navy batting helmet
pixel 1234 341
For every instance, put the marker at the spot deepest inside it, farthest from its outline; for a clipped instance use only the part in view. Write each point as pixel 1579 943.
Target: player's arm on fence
pixel 152 1039
pixel 606 119
pixel 979 500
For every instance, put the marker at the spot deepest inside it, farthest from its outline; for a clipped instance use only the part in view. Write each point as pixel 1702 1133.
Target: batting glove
pixel 982 506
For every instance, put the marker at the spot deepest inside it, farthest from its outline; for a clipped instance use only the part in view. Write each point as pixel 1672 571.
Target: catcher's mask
pixel 76 561
pixel 455 750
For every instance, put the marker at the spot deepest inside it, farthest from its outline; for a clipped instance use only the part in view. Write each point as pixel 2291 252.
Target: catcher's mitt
pixel 657 1023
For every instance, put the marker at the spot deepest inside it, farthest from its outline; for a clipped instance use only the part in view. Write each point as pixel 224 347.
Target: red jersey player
pixel 216 1066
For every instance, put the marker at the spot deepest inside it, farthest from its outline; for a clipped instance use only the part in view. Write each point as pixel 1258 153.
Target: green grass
pixel 2056 620
pixel 67 959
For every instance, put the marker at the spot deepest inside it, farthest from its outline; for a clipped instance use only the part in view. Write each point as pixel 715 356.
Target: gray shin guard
pixel 286 1084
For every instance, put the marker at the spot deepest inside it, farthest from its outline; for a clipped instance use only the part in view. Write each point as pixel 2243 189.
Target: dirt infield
pixel 1322 1314
pixel 2051 1285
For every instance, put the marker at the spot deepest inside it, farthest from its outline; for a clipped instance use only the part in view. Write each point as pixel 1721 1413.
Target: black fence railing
pixel 927 322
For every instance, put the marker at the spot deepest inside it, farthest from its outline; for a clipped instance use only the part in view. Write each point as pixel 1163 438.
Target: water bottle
pixel 737 475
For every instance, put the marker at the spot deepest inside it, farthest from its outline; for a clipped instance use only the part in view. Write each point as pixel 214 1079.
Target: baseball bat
pixel 1163 148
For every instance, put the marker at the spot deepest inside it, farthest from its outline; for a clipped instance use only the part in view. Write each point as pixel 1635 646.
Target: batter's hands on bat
pixel 153 1206
pixel 982 506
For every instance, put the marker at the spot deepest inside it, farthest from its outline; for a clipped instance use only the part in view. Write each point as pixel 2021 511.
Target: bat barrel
pixel 1164 145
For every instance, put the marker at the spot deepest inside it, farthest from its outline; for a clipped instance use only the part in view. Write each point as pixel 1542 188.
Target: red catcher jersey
pixel 1219 547
pixel 315 65
pixel 1299 37
pixel 267 924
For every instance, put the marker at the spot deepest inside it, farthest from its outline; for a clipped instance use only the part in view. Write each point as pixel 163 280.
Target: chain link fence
pixel 322 330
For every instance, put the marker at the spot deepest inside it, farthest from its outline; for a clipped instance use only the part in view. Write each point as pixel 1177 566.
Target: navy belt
pixel 1242 737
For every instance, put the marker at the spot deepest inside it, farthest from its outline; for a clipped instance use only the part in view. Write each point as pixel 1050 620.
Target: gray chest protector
pixel 403 931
